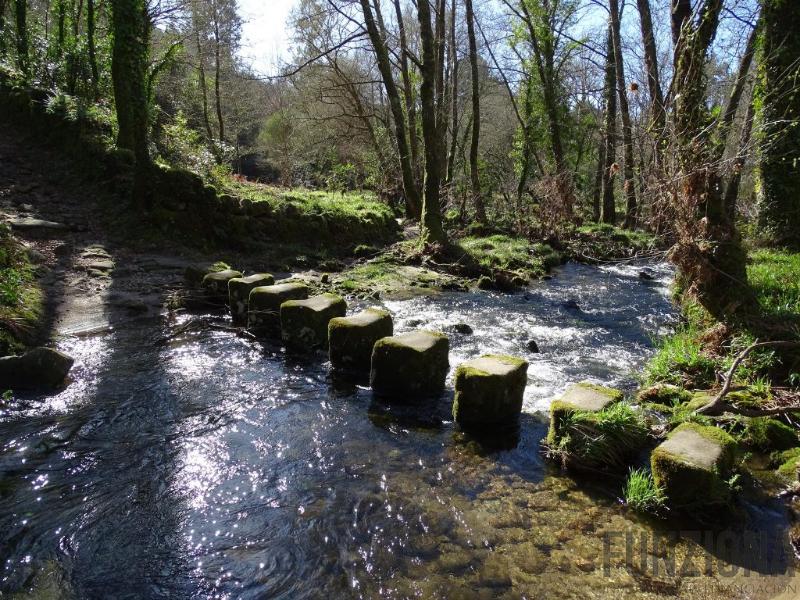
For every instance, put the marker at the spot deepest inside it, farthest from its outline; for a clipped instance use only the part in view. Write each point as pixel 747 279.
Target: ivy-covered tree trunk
pixel 131 28
pixel 609 208
pixel 480 211
pixel 21 22
pixel 431 229
pixel 708 251
pixel 778 94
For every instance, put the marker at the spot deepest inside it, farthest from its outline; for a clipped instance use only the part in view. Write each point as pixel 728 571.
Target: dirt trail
pixel 92 279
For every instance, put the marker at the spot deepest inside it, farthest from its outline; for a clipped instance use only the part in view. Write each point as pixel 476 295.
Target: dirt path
pixel 92 279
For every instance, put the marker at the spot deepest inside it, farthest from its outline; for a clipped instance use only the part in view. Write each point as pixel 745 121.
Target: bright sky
pixel 265 36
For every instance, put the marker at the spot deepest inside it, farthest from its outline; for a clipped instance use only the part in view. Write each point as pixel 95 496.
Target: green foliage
pixel 183 147
pixel 774 275
pixel 765 433
pixel 641 493
pixel 21 299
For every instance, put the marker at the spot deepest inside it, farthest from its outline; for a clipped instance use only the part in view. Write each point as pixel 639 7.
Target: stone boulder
pixel 40 368
pixel 585 397
pixel 239 289
pixel 351 339
pixel 410 365
pixel 489 391
pixel 304 323
pixel 216 284
pixel 692 466
pixel 264 305
pixel 193 274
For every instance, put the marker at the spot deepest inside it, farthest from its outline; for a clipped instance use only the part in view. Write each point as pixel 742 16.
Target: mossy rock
pixel 40 368
pixel 304 323
pixel 693 464
pixel 665 394
pixel 489 391
pixel 264 305
pixel 788 463
pixel 768 434
pixel 216 284
pixel 239 289
pixel 193 274
pixel 351 339
pixel 410 366
pixel 583 397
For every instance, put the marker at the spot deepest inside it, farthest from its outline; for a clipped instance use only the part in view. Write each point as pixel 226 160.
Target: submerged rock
pixel 304 323
pixel 647 275
pixel 351 339
pixel 585 397
pixel 532 346
pixel 216 284
pixel 40 368
pixel 410 365
pixel 693 464
pixel 489 391
pixel 462 328
pixel 239 289
pixel 264 305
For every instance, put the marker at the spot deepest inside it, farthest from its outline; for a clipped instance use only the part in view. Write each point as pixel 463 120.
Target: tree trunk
pixel 597 189
pixel 431 229
pixel 131 29
pixel 657 110
pixel 609 209
pixel 708 250
pixel 779 139
pixel 480 211
pixel 681 12
pixel 408 94
pixel 385 68
pixel 21 19
pixel 732 189
pixel 201 81
pixel 628 183
pixel 92 49
pixel 217 73
pixel 451 155
pixel 3 5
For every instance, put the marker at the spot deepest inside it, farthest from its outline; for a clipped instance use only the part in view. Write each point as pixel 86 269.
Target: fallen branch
pixel 718 405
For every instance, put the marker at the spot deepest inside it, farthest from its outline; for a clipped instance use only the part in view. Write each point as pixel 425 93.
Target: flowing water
pixel 212 466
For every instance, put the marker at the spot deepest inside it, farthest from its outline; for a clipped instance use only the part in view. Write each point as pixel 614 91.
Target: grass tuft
pixel 641 493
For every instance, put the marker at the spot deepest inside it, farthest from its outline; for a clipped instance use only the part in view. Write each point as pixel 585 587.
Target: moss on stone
pixel 216 283
pixel 664 394
pixel 239 289
pixel 767 434
pixel 489 391
pixel 410 366
pixel 304 322
pixel 788 463
pixel 693 465
pixel 351 339
pixel 193 274
pixel 263 313
pixel 583 396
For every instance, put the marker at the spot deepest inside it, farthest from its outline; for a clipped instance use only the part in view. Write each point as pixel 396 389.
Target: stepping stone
pixel 216 284
pixel 410 365
pixel 304 323
pixel 489 391
pixel 264 305
pixel 691 466
pixel 193 274
pixel 239 289
pixel 351 339
pixel 584 396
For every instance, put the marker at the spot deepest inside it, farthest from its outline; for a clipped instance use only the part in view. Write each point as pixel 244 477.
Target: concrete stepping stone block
pixel 264 305
pixel 489 391
pixel 239 289
pixel 691 466
pixel 40 368
pixel 583 396
pixel 410 365
pixel 351 339
pixel 216 284
pixel 304 323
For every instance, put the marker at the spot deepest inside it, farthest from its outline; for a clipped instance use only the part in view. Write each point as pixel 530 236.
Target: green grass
pixel 774 275
pixel 510 254
pixel 680 360
pixel 600 440
pixel 641 493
